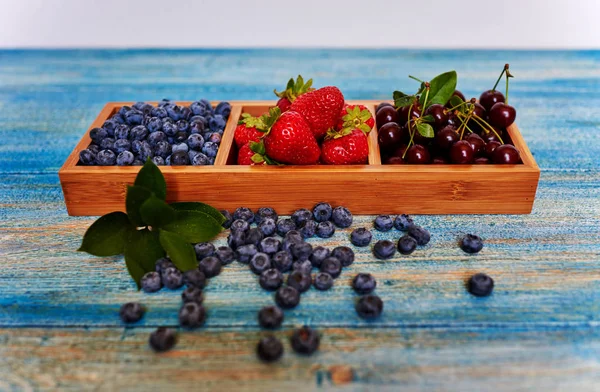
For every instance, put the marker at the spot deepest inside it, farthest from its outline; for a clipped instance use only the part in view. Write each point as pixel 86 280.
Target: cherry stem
pixel 426 96
pixel 414 78
pixel 484 124
pixel 409 131
pixel 506 96
pixel 500 77
pixel 456 107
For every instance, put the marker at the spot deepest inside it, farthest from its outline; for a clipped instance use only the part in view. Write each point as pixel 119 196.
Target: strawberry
pixel 345 148
pixel 246 130
pixel 292 91
pixel 245 155
pixel 253 153
pixel 321 109
pixel 356 117
pixel 288 138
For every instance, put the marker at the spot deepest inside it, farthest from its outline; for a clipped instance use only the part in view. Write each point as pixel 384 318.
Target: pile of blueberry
pixel 168 134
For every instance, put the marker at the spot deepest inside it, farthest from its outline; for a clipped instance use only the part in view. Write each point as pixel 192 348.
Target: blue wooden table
pixel 59 327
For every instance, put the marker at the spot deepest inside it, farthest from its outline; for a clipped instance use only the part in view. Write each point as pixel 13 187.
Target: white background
pixel 301 23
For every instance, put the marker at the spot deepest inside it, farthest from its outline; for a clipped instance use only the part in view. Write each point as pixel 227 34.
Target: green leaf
pixel 455 100
pixel 152 179
pixel 179 250
pixel 425 130
pixel 402 100
pixel 194 226
pixel 156 213
pixel 258 147
pixel 200 207
pixel 107 235
pixel 441 88
pixel 141 252
pixel 428 118
pixel 421 88
pixel 136 196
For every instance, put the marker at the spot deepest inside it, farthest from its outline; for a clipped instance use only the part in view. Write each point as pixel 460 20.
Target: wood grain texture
pixel 538 331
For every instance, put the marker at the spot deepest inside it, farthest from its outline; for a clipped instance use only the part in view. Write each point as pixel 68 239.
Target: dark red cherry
pixel 489 136
pixel 439 161
pixel 386 115
pixel 461 152
pixel 476 143
pixel 481 114
pixel 453 121
pixel 390 136
pixel 440 117
pixel 490 147
pixel 490 98
pixel 446 137
pixel 417 137
pixel 399 152
pixel 506 154
pixel 403 113
pixel 481 161
pixel 385 104
pixel 417 154
pixel 459 94
pixel 502 115
pixel 394 161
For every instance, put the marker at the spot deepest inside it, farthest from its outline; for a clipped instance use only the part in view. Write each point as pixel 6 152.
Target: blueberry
pixel 174 112
pixel 210 266
pixel 125 158
pixel 217 123
pixel 139 106
pixel 167 120
pixel 124 109
pixel 384 249
pixel 270 317
pixel 236 239
pixel 406 244
pixel 305 340
pixel 361 237
pixel 364 283
pixel 155 137
pixel 403 222
pixel 268 227
pixel 201 108
pixel 151 282
pixel 182 126
pixel 239 224
pixel 132 312
pixel 225 254
pixel 134 117
pixel 308 228
pixel 201 160
pixel 94 148
pixel 139 132
pixel 270 245
pixel 107 143
pixel 172 278
pixel 122 145
pixel 194 278
pixel 245 252
pixel 195 141
pixel 181 137
pixel 122 132
pixel 145 151
pixel 109 126
pixel 282 260
pixel 169 129
pixel 322 212
pixel 186 113
pixel 299 280
pixel 480 285
pixel 323 281
pixel 197 126
pixel 168 160
pixel 332 266
pixel 269 349
pixel 290 238
pixel 117 118
pixel 285 225
pixel 162 149
pixel 192 154
pixel 300 216
pixel 287 297
pixel 224 109
pixel 137 162
pixel 192 294
pixel 228 219
pixel 244 213
pixel 265 212
pixel 369 307
pixel 270 279
pixel 87 157
pixel 154 124
pixel 325 229
pixel 98 134
pixel 204 249
pixel 192 315
pixel 341 217
pixel 254 236
pixel 215 138
pixel 163 339
pixel 383 223
pixel 180 158
pixel 164 103
pixel 180 147
pixel 106 158
pixel 260 262
pixel 344 254
pixel 302 266
pixel 159 112
pixel 420 234
pixel 301 250
pixel 163 263
pixel 210 149
pixel 158 161
pixel 317 256
pixel 471 243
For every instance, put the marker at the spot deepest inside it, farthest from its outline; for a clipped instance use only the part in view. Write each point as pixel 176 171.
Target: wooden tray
pixel 365 189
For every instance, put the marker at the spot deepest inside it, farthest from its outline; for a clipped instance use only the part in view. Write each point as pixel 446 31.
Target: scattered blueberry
pixel 285 225
pixel 305 340
pixel 269 349
pixel 132 312
pixel 270 245
pixel 360 237
pixel 192 294
pixel 369 307
pixel 384 249
pixel 210 266
pixel 323 281
pixel 270 317
pixel 244 213
pixel 194 278
pixel 270 279
pixel 344 254
pixel 302 266
pixel 383 223
pixel 87 157
pixel 317 256
pixel 325 229
pixel 322 212
pixel 106 158
pixel 172 278
pixel 282 260
pixel 236 239
pixel 299 280
pixel 265 212
pixel 228 219
pixel 287 297
pixel 163 263
pixel 471 243
pixel 290 238
pixel 192 315
pixel 301 250
pixel 260 262
pixel 341 217
pixel 364 283
pixel 332 266
pixel 225 254
pixel 254 236
pixel 151 282
pixel 403 222
pixel 245 252
pixel 239 224
pixel 420 234
pixel 204 249
pixel 300 216
pixel 308 228
pixel 268 226
pixel 406 244
pixel 163 339
pixel 481 285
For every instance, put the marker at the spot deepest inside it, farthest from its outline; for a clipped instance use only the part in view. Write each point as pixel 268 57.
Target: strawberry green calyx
pixel 249 120
pixel 334 134
pixel 260 154
pixel 267 120
pixel 357 117
pixel 294 89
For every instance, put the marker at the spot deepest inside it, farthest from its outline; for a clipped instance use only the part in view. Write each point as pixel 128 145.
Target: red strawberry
pixel 288 138
pixel 253 153
pixel 356 117
pixel 345 148
pixel 321 109
pixel 292 91
pixel 245 155
pixel 246 130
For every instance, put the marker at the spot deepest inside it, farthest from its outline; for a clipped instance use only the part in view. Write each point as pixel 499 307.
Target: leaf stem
pixel 506 95
pixel 500 77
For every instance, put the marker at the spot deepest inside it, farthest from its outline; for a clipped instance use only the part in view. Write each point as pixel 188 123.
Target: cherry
pixel 446 137
pixel 418 154
pixel 439 161
pixel 439 115
pixel 476 143
pixel 506 154
pixel 399 152
pixel 480 112
pixel 386 115
pixel 490 97
pixel 481 161
pixel 459 94
pixel 403 114
pixel 489 136
pixel 453 121
pixel 490 147
pixel 461 152
pixel 417 137
pixel 395 161
pixel 383 104
pixel 390 136
pixel 502 115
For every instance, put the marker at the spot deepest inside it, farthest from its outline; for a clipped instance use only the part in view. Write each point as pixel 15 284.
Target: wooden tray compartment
pixel 365 189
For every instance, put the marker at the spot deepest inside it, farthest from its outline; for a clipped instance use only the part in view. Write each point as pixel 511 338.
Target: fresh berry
pixel 87 157
pixel 420 234
pixel 322 212
pixel 225 254
pixel 269 349
pixel 418 154
pixel 228 219
pixel 192 294
pixel 345 148
pixel 236 239
pixel 270 245
pixel 344 254
pixel 332 266
pixel 489 98
pixel 446 137
pixel 403 222
pixel 461 152
pixel 471 243
pixel 268 227
pixel 172 278
pixel 244 213
pixel 386 115
pixel 246 131
pixel 505 154
pixel 302 266
pixel 325 229
pixel 361 237
pixel 239 225
pixel 356 117
pixel 192 315
pixel 282 260
pixel 98 134
pixel 162 264
pixel 291 238
pixel 305 340
pixel 132 312
pixel 384 249
pixel 364 283
pixel 323 281
pixel 390 136
pixel 299 280
pixel 245 252
pixel 204 249
pixel 292 91
pixel 287 297
pixel 163 339
pixel 341 217
pixel 270 317
pixel 180 158
pixel 317 256
pixel 406 244
pixel 201 160
pixel 265 212
pixel 151 282
pixel 369 307
pixel 245 155
pixel 480 285
pixel 477 144
pixel 383 223
pixel 301 251
pixel 106 158
pixel 254 236
pixel 321 109
pixel 210 266
pixel 270 279
pixel 260 262
pixel 308 228
pixel 300 216
pixel 502 115
pixel 194 278
pixel 285 225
